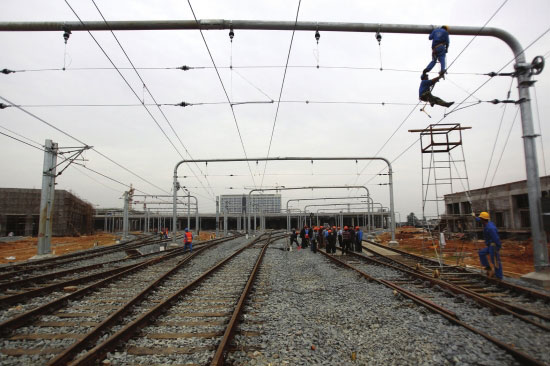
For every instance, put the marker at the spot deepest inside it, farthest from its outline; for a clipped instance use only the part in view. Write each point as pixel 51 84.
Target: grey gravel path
pixel 307 302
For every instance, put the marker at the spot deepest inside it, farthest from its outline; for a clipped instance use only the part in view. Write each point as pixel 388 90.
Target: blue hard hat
pixel 186 229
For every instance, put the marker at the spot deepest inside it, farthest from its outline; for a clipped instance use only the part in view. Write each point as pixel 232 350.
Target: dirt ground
pixel 516 256
pixel 17 251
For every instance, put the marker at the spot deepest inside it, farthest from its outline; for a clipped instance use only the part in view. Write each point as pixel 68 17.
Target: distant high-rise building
pixel 236 203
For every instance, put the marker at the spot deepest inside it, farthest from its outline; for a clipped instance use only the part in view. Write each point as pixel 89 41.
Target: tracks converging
pixel 417 280
pixel 112 309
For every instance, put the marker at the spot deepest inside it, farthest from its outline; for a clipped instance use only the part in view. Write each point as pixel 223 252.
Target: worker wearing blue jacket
pixel 440 47
pixel 425 92
pixel 358 239
pixel 493 245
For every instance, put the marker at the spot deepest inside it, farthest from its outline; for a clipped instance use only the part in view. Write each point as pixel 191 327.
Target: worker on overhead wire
pixel 188 240
pixel 440 47
pixel 425 92
pixel 493 245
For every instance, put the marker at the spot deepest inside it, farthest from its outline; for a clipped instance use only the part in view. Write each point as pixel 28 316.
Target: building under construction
pixel 507 204
pixel 20 213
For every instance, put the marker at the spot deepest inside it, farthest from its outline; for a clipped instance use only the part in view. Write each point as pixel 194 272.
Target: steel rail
pixel 129 330
pixel 22 319
pixel 33 265
pixel 219 356
pixel 11 299
pixel 96 252
pixel 497 305
pixel 524 74
pixel 480 299
pixel 522 357
pixel 95 334
pixel 511 286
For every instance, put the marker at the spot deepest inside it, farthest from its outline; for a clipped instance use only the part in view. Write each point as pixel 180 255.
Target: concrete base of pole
pixel 541 279
pixel 42 256
pixel 393 243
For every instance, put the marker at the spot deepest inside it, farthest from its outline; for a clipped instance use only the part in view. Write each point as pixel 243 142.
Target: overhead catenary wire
pixel 83 143
pixel 281 90
pixel 224 90
pixel 474 37
pixel 142 81
pixel 540 130
pixel 460 53
pixel 80 164
pixel 233 67
pixel 464 100
pixel 497 135
pixel 504 147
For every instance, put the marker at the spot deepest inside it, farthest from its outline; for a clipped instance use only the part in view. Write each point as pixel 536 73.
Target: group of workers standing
pixel 349 239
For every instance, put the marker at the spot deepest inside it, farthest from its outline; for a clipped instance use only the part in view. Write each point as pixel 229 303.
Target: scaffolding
pixel 443 169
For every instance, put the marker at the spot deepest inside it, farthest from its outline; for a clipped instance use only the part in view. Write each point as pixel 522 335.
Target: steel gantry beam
pixel 293 158
pixel 523 74
pixel 301 188
pixel 323 198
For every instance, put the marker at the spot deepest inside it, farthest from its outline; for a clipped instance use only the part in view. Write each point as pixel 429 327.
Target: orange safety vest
pixel 188 237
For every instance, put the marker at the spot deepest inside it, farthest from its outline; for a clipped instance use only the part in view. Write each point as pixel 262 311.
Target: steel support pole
pixel 125 219
pixel 188 210
pixel 47 196
pixel 217 216
pixel 533 183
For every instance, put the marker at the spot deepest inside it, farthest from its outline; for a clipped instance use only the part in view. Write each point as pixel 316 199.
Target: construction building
pixel 20 213
pixel 259 203
pixel 507 204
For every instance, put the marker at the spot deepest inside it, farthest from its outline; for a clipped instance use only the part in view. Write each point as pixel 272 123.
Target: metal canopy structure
pixel 302 188
pixel 292 158
pixel 523 73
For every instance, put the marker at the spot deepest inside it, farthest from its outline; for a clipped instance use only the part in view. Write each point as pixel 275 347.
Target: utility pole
pixel 217 216
pixel 47 198
pixel 125 219
pixel 189 210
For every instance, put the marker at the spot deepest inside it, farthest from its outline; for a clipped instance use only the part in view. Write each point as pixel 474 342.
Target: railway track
pixel 193 325
pixel 56 327
pixel 529 303
pixel 516 335
pixel 94 256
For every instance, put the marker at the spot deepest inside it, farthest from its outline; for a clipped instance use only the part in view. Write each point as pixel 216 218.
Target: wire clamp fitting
pixel 6 71
pixel 66 34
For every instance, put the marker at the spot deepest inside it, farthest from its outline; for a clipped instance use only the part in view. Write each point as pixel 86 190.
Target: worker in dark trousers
pixel 351 245
pixel 331 239
pixel 294 238
pixel 346 240
pixel 358 239
pixel 492 246
pixel 303 234
pixel 440 47
pixel 314 239
pixel 425 92
pixel 339 234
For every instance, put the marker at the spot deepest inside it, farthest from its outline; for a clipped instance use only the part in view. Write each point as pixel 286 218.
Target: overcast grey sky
pixel 349 73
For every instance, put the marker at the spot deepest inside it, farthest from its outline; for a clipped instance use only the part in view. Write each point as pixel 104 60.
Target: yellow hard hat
pixel 484 215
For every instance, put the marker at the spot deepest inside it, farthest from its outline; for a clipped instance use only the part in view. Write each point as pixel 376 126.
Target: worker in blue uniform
pixel 425 92
pixel 492 248
pixel 440 47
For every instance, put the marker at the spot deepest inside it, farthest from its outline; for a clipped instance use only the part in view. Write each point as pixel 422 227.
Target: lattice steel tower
pixel 443 169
